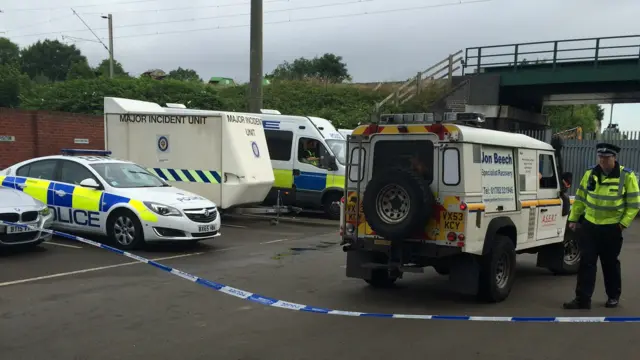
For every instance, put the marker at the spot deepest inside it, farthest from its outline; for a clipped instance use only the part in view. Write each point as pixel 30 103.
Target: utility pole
pixel 255 62
pixel 110 45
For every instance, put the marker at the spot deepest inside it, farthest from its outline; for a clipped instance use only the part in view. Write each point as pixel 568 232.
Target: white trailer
pixel 222 156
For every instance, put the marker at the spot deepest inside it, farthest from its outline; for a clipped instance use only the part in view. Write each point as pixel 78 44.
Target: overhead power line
pixel 79 5
pixel 193 19
pixel 132 10
pixel 459 3
pixel 352 2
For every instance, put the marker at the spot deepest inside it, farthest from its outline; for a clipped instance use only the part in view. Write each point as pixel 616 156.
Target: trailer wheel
pixel 397 203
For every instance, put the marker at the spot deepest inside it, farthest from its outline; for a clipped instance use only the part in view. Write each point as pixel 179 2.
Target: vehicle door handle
pixel 22 185
pixel 500 208
pixel 544 210
pixel 296 172
pixel 60 192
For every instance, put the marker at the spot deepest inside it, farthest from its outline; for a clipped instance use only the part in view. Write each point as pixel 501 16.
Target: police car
pixel 88 191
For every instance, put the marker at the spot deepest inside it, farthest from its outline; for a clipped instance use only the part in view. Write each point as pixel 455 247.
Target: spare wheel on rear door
pixel 397 203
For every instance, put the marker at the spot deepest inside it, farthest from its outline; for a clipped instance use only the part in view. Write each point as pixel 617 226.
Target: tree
pixel 50 58
pixel 565 117
pixel 103 69
pixel 80 70
pixel 9 52
pixel 184 75
pixel 12 84
pixel 328 68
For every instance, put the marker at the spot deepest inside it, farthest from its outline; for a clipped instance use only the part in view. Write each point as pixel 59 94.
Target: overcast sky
pixel 377 39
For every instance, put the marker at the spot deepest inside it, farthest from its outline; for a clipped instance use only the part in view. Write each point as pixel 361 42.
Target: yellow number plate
pixel 453 221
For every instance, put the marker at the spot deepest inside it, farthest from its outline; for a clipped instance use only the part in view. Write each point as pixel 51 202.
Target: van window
pixel 451 167
pixel 279 144
pixel 547 172
pixel 310 151
pixel 415 155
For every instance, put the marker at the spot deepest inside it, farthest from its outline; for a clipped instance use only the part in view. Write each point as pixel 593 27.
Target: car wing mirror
pixel 90 183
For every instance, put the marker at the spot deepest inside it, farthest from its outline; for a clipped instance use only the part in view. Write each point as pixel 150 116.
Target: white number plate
pixel 17 229
pixel 206 228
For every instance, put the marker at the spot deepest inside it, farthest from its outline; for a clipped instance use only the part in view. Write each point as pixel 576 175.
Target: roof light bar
pixel 431 118
pixel 72 152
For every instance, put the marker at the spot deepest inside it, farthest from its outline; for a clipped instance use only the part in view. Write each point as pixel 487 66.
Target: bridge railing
pixel 443 70
pixel 550 54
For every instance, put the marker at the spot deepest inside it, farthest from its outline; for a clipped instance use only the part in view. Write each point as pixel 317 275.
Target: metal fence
pixel 579 155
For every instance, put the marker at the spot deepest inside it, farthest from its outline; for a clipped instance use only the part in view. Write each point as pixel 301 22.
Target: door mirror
pixel 89 183
pixel 328 162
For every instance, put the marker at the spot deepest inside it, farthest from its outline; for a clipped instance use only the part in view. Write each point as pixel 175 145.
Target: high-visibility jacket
pixel 606 199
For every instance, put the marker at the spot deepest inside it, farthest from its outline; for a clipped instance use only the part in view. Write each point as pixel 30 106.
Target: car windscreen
pixel 127 175
pixel 338 148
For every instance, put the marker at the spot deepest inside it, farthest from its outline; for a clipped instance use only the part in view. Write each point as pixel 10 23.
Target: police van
pixel 307 155
pixel 219 155
pixel 90 192
pixel 456 197
pixel 345 132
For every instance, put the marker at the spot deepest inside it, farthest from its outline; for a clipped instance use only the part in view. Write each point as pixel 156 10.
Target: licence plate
pixel 206 228
pixel 17 229
pixel 453 221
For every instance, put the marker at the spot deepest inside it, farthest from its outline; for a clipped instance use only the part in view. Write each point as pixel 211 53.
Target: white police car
pixel 87 191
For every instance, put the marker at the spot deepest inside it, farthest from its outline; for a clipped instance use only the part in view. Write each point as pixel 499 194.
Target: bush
pixel 345 105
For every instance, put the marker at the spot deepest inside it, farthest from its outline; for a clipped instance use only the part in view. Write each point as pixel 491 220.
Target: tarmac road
pixel 62 302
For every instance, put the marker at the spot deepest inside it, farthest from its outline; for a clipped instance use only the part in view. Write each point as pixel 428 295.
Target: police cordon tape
pixel 267 301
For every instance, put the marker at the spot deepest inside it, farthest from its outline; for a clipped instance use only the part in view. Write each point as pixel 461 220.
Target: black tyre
pixel 125 230
pixel 498 270
pixel 380 278
pixel 331 205
pixel 570 252
pixel 442 269
pixel 397 203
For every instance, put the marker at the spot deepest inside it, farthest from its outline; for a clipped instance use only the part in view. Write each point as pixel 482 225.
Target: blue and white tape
pixel 267 301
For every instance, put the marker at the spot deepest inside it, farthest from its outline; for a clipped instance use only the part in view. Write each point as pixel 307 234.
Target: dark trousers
pixel 605 242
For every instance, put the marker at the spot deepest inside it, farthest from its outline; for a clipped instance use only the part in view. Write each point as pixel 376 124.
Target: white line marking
pixel 63 245
pixel 83 271
pixel 273 241
pixel 235 226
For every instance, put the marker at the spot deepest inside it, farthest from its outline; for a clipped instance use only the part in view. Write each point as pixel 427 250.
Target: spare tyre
pixel 397 203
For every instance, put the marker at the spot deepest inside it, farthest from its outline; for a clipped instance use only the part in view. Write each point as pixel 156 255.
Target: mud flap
pixel 464 276
pixel 355 260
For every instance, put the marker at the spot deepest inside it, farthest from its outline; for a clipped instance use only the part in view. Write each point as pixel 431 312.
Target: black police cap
pixel 607 149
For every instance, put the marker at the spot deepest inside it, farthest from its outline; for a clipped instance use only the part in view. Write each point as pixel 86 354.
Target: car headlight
pixel 43 208
pixel 161 209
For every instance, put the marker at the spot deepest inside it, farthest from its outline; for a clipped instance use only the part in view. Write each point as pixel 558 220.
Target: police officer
pixel 609 200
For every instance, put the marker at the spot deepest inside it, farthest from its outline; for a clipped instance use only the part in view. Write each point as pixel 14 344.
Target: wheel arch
pixel 502 225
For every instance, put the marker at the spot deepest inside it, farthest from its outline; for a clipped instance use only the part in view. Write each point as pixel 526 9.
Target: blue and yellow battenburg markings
pixel 309 181
pixel 182 175
pixel 77 198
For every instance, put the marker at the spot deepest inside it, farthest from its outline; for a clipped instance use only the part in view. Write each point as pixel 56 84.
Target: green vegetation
pixel 33 78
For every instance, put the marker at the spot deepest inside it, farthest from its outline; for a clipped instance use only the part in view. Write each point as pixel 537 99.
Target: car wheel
pixel 570 252
pixel 331 205
pixel 498 269
pixel 125 230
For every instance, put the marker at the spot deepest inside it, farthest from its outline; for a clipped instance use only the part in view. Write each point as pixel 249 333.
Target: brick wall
pixel 42 133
